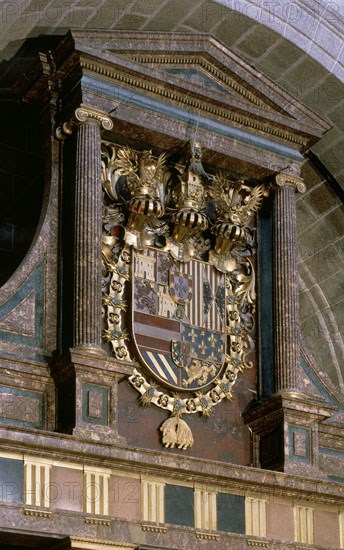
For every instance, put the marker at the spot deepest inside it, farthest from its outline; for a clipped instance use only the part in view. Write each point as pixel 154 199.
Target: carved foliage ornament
pixel 176 247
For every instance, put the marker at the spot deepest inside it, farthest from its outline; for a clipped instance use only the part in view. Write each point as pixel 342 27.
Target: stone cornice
pixel 96 544
pixel 167 465
pixel 331 438
pixel 200 45
pixel 292 402
pixel 181 96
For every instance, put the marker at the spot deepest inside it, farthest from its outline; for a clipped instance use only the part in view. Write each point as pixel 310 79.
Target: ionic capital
pixel 286 180
pixel 82 114
pixel 64 130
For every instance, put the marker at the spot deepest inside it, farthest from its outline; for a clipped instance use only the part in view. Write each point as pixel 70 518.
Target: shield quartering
pixel 179 322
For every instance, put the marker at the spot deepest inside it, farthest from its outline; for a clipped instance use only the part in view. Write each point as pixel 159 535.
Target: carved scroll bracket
pixel 83 114
pixel 285 180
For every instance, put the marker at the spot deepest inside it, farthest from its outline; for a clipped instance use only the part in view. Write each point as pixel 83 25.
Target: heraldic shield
pixel 178 322
pixel 178 279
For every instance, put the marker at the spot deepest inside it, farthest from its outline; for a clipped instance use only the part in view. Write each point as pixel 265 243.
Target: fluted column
pixel 88 229
pixel 285 428
pixel 286 299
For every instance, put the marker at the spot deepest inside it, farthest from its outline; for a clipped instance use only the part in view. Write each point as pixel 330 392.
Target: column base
pixel 285 433
pixel 93 349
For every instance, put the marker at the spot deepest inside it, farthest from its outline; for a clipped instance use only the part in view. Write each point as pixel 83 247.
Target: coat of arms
pixel 178 324
pixel 178 286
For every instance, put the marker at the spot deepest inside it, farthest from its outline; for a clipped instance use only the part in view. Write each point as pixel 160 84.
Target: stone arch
pixel 314 26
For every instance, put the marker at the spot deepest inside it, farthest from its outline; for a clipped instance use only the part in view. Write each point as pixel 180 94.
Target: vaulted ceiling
pixel 299 45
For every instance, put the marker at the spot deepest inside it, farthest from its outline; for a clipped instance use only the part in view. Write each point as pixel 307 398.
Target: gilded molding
pixel 285 180
pixel 207 536
pixel 81 542
pixel 219 75
pixel 97 521
pixel 154 529
pixel 37 513
pixel 258 543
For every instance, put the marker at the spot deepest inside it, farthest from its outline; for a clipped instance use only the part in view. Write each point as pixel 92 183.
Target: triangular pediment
pixel 203 66
pixel 175 85
pixel 205 77
pixel 198 77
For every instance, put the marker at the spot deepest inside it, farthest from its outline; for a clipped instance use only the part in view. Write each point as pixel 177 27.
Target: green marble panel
pixel 11 480
pixel 230 513
pixel 179 505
